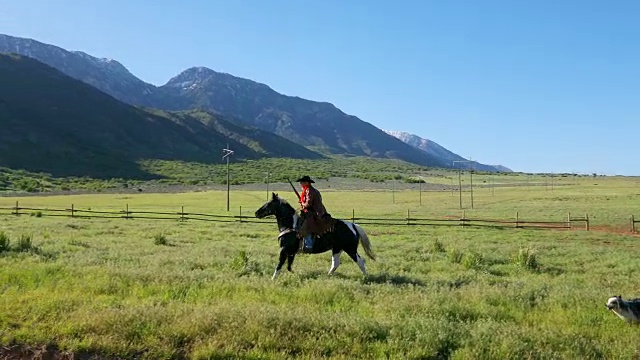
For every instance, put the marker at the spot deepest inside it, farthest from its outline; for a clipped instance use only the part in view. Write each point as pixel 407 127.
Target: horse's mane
pixel 286 204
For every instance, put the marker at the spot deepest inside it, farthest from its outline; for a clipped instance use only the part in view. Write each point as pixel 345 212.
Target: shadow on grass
pixel 396 280
pixel 382 278
pixel 455 283
pixel 551 270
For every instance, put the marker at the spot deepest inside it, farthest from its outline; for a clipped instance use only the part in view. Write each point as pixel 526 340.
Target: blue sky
pixel 539 86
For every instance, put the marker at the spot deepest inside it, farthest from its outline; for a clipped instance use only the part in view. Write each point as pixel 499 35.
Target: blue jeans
pixel 308 243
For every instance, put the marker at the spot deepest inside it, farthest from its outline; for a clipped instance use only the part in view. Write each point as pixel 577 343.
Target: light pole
pixel 227 154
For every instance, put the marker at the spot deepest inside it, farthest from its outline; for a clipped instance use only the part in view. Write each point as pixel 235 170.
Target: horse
pixel 344 236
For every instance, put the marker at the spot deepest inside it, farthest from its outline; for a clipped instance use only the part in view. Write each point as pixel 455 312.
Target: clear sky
pixel 540 86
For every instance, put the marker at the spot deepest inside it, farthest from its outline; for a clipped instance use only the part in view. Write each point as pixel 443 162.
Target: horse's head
pixel 276 206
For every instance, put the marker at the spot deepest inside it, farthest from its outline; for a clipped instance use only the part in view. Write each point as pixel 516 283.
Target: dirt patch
pixel 613 230
pixel 21 352
pixel 27 352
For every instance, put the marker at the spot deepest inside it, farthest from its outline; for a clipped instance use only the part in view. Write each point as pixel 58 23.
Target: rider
pixel 311 202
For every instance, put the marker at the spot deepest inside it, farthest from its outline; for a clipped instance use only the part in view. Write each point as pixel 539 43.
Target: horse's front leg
pixel 290 259
pixel 335 261
pixel 283 258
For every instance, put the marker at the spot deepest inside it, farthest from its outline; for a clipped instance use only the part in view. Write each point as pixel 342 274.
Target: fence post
pixel 240 213
pixel 16 208
pixel 353 215
pixel 464 218
pixel 72 211
pixel 182 213
pixel 408 217
pixel 126 212
pixel 633 224
pixel 517 219
pixel 569 220
pixel 586 219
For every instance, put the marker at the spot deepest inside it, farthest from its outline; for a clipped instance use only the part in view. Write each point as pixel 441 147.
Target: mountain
pixel 53 123
pixel 105 74
pixel 319 126
pixel 433 148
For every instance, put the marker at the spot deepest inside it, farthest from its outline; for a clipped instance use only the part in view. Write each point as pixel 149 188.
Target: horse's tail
pixel 364 240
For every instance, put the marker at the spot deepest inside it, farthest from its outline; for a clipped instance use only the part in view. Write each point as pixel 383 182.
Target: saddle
pixel 315 225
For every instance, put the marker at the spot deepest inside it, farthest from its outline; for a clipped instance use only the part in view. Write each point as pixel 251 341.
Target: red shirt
pixel 304 195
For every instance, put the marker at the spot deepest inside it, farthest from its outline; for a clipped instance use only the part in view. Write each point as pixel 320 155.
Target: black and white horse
pixel 344 236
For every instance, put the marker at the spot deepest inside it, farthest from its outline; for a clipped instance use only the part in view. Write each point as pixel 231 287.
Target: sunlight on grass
pixel 190 289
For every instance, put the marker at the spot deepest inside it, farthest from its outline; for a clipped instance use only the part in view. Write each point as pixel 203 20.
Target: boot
pixel 308 243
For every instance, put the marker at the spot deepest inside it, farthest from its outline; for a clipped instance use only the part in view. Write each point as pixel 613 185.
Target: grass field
pixel 170 289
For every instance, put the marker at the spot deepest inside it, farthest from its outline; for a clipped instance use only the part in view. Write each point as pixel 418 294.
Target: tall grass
pixel 101 287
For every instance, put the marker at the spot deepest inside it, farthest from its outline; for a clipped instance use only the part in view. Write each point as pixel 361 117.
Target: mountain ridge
pixel 436 149
pixel 319 126
pixel 53 123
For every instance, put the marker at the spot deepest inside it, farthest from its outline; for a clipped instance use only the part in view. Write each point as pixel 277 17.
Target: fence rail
pixel 127 213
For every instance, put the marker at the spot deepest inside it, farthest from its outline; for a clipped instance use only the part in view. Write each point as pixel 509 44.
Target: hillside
pixel 52 123
pixel 435 149
pixel 319 126
pixel 107 75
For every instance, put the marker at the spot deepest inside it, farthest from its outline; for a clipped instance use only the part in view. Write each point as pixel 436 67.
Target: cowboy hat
pixel 305 178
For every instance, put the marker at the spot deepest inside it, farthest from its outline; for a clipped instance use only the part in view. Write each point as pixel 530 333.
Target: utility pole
pixel 460 186
pixel 268 185
pixel 492 186
pixel 460 181
pixel 393 191
pixel 227 154
pixel 452 186
pixel 471 180
pixel 420 182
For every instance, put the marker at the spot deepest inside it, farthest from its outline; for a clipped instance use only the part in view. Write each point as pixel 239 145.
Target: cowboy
pixel 315 213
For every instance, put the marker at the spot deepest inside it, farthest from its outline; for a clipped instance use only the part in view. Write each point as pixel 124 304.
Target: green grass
pixel 103 286
pixel 391 172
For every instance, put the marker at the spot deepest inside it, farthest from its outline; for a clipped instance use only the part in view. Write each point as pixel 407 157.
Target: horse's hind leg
pixel 359 260
pixel 283 258
pixel 335 261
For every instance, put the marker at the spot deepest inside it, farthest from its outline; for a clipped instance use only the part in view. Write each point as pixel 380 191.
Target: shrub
pixel 472 260
pixel 243 265
pixel 5 242
pixel 437 246
pixel 414 180
pixel 455 256
pixel 526 258
pixel 24 243
pixel 240 261
pixel 160 239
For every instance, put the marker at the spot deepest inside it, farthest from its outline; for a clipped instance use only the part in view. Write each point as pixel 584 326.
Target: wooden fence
pixel 126 213
pixel 633 223
pixel 516 222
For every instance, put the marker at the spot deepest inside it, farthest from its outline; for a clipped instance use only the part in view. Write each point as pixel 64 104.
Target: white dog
pixel 626 310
